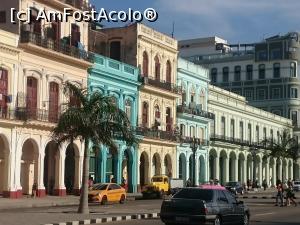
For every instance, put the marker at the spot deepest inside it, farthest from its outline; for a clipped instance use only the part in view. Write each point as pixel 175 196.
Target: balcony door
pixel 31 99
pixel 53 102
pixel 3 91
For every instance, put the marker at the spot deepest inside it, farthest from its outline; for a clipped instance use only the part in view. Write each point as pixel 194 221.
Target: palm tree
pixel 285 147
pixel 95 120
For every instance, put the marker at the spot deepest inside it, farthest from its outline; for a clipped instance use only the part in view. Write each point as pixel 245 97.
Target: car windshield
pixel 157 179
pixel 100 187
pixel 201 194
pixel 231 184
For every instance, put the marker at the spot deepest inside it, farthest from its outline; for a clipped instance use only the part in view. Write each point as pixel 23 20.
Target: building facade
pixel 155 54
pixel 193 120
pixel 237 132
pixel 31 99
pixel 119 80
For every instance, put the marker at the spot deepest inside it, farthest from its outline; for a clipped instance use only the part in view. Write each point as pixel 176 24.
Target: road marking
pixel 263 214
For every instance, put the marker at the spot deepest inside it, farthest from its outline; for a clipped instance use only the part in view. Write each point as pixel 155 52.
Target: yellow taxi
pixel 107 192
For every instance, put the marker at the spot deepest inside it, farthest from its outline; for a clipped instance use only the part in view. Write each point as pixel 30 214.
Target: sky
pixel 237 21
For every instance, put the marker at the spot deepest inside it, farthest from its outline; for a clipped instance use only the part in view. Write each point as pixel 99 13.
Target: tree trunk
pixel 84 205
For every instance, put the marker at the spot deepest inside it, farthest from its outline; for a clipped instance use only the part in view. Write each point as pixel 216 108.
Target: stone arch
pixel 156 164
pixel 51 167
pixel 29 165
pixel 241 167
pixel 232 166
pixel 144 169
pixel 182 167
pixel 72 169
pixel 168 165
pixel 223 167
pixel 213 155
pixel 112 165
pixel 202 169
pixel 127 169
pixel 4 164
pixel 249 167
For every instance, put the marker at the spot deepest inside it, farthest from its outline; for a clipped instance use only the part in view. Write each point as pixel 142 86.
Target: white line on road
pixel 263 214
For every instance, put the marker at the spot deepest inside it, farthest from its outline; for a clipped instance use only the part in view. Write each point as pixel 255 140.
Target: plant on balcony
pixel 284 147
pixel 94 119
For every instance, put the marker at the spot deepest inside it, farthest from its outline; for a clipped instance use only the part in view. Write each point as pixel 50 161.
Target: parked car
pixel 207 205
pixel 107 192
pixel 296 186
pixel 235 187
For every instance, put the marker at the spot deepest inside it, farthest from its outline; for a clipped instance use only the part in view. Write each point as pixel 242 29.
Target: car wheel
pixel 122 199
pixel 217 221
pixel 104 200
pixel 245 219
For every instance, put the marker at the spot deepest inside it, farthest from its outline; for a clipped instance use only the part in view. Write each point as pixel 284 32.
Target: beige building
pixel 156 56
pixel 37 60
pixel 236 139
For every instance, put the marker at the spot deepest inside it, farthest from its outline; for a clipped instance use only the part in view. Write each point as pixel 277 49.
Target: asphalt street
pixel 263 213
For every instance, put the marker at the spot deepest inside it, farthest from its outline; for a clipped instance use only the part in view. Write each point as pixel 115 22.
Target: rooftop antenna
pixel 173 29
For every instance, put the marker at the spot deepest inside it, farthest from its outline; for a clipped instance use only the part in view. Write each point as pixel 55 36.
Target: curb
pixel 260 197
pixel 109 219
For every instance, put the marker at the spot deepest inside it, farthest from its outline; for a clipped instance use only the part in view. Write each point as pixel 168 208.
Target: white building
pixel 239 128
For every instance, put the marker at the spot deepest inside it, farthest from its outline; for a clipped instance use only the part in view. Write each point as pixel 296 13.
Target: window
pixel 223 126
pixel 192 131
pixel 168 72
pixel 237 73
pixel 169 119
pixel 231 199
pixel 262 55
pixel 261 71
pixel 212 128
pixel 53 102
pixel 3 90
pixel 75 35
pixel 2 16
pixel 293 69
pixel 275 93
pixel 249 94
pixel 195 193
pixel 157 116
pixel 115 50
pixel 225 74
pixel 213 75
pixel 249 72
pixel 249 133
pixel 241 130
pixel 157 68
pixel 265 133
pixel 276 54
pixel 294 117
pixel 128 109
pixel 271 134
pixel 278 137
pixel 31 98
pixel 145 114
pixel 232 130
pixel 261 95
pixel 294 93
pixel 257 134
pixel 145 64
pixel 276 70
pixel 182 130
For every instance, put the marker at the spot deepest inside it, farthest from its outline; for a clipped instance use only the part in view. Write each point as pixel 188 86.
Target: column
pixel 197 170
pixel 41 192
pixel 226 163
pixel 267 171
pixel 260 172
pixel 280 170
pixel 236 169
pixel 244 163
pixel 274 176
pixel 217 168
pixel 76 187
pixel 59 186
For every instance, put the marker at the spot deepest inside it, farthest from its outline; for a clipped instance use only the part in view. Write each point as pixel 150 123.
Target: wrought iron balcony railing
pixel 79 4
pixel 238 141
pixel 161 84
pixel 34 114
pixel 195 111
pixel 156 134
pixel 58 46
pixel 189 140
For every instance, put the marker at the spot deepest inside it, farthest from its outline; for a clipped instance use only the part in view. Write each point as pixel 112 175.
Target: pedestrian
pixel 290 195
pixel 248 184
pixel 279 193
pixel 34 189
pixel 188 183
pixel 265 185
pixel 91 181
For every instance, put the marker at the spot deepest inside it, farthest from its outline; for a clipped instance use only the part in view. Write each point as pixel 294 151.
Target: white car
pixel 297 185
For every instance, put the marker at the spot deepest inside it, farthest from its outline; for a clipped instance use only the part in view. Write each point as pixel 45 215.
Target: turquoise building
pixel 120 81
pixel 193 120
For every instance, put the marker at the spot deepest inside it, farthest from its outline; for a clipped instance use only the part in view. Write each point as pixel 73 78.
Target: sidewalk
pixel 48 201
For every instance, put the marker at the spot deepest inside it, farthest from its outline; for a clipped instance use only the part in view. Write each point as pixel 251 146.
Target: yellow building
pixel 41 56
pixel 156 56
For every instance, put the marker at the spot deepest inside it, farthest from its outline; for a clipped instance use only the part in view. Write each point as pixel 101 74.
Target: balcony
pixel 189 140
pixel 25 114
pixel 156 134
pixel 237 141
pixel 161 84
pixel 62 46
pixel 79 4
pixel 195 111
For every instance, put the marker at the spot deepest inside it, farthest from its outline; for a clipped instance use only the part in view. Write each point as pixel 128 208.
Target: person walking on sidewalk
pixel 265 185
pixel 34 189
pixel 279 193
pixel 290 195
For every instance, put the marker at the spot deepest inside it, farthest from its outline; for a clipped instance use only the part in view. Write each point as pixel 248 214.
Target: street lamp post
pixel 194 147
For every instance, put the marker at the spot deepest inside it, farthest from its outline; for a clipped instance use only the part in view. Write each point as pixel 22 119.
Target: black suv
pixel 204 206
